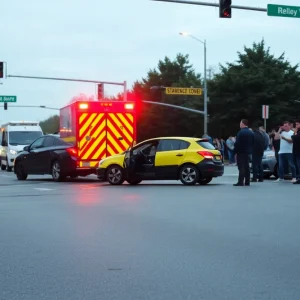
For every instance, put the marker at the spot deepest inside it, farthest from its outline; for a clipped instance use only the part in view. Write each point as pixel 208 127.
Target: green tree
pixel 50 125
pixel 241 88
pixel 154 120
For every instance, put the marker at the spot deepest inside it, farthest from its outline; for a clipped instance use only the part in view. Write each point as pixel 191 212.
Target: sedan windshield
pixel 23 137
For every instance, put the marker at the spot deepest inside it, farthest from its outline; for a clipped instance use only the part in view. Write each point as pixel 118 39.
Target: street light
pixel 205 80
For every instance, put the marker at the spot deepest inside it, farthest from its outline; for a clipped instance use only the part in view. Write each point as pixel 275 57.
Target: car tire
pixel 56 172
pixel 8 168
pixel 21 175
pixel 3 167
pixel 134 182
pixel 204 181
pixel 189 174
pixel 115 175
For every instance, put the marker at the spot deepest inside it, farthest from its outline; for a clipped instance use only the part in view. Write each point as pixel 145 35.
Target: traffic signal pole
pixel 124 84
pixel 175 106
pixel 66 79
pixel 212 4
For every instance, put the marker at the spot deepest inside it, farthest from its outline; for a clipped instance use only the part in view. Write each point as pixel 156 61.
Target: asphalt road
pixel 87 240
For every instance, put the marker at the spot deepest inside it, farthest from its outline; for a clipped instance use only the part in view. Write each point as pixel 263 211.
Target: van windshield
pixel 23 137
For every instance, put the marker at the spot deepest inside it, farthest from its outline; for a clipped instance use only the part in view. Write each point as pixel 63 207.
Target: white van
pixel 14 136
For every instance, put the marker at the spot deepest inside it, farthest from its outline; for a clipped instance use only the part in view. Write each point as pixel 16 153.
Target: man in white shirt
pixel 285 153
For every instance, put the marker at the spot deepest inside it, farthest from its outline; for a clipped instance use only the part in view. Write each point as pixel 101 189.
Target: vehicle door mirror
pixel 26 148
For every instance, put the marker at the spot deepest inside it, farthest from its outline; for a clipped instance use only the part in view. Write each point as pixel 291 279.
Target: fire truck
pixel 98 129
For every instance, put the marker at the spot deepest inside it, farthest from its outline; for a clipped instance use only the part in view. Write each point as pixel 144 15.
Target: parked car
pixel 190 160
pixel 48 155
pixel 270 165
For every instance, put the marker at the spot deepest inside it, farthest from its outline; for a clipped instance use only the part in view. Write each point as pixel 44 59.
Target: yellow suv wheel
pixel 189 175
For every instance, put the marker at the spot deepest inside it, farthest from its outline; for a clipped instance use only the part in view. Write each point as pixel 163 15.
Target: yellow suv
pixel 190 160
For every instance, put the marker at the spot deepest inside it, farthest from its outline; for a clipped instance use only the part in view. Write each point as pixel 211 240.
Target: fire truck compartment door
pixel 92 137
pixel 120 132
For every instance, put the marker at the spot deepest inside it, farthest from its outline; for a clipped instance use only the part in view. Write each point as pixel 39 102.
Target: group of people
pixel 253 142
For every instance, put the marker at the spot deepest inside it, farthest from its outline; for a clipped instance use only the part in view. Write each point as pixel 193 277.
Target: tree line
pixel 238 90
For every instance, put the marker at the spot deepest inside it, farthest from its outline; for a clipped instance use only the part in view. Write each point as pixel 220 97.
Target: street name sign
pixel 183 91
pixel 287 11
pixel 8 98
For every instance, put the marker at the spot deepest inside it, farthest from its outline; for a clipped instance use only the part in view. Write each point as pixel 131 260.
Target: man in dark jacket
pixel 257 155
pixel 266 137
pixel 296 151
pixel 243 148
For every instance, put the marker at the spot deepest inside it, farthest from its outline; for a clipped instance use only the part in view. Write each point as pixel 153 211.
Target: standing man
pixel 266 137
pixel 243 148
pixel 285 153
pixel 296 151
pixel 257 155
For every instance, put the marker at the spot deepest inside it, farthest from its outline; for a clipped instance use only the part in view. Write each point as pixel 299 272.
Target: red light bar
pixel 129 106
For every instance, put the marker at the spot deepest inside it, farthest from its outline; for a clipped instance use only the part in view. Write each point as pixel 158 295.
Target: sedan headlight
pixel 13 152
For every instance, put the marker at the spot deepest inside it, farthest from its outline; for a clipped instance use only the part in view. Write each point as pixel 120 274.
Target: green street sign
pixel 8 98
pixel 287 11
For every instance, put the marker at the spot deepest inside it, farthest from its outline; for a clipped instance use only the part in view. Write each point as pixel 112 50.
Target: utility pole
pixel 210 73
pixel 205 90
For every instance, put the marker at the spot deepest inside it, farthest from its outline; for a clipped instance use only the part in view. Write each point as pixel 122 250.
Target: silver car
pixel 270 166
pixel 269 163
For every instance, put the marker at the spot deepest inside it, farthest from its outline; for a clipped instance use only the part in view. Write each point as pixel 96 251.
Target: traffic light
pixel 100 91
pixel 1 69
pixel 225 8
pixel 5 105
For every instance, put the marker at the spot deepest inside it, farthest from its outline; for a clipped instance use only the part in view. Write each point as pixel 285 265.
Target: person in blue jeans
pixel 296 151
pixel 230 150
pixel 285 153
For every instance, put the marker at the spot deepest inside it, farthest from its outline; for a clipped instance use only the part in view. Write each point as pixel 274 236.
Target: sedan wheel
pixel 20 172
pixel 189 175
pixel 56 172
pixel 115 175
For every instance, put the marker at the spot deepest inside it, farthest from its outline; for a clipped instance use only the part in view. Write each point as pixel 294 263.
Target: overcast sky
pixel 117 40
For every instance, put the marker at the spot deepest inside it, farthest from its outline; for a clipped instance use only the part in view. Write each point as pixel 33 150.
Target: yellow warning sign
pixel 183 91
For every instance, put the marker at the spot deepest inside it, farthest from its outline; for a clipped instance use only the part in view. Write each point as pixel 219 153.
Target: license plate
pixel 86 164
pixel 217 157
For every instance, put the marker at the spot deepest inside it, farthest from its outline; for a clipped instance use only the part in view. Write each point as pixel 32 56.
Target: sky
pixel 120 40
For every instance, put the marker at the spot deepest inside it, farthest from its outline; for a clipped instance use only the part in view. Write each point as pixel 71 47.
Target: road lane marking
pixel 43 189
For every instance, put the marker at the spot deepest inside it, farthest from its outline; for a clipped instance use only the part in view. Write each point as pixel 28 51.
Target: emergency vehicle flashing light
pixel 83 106
pixel 129 106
